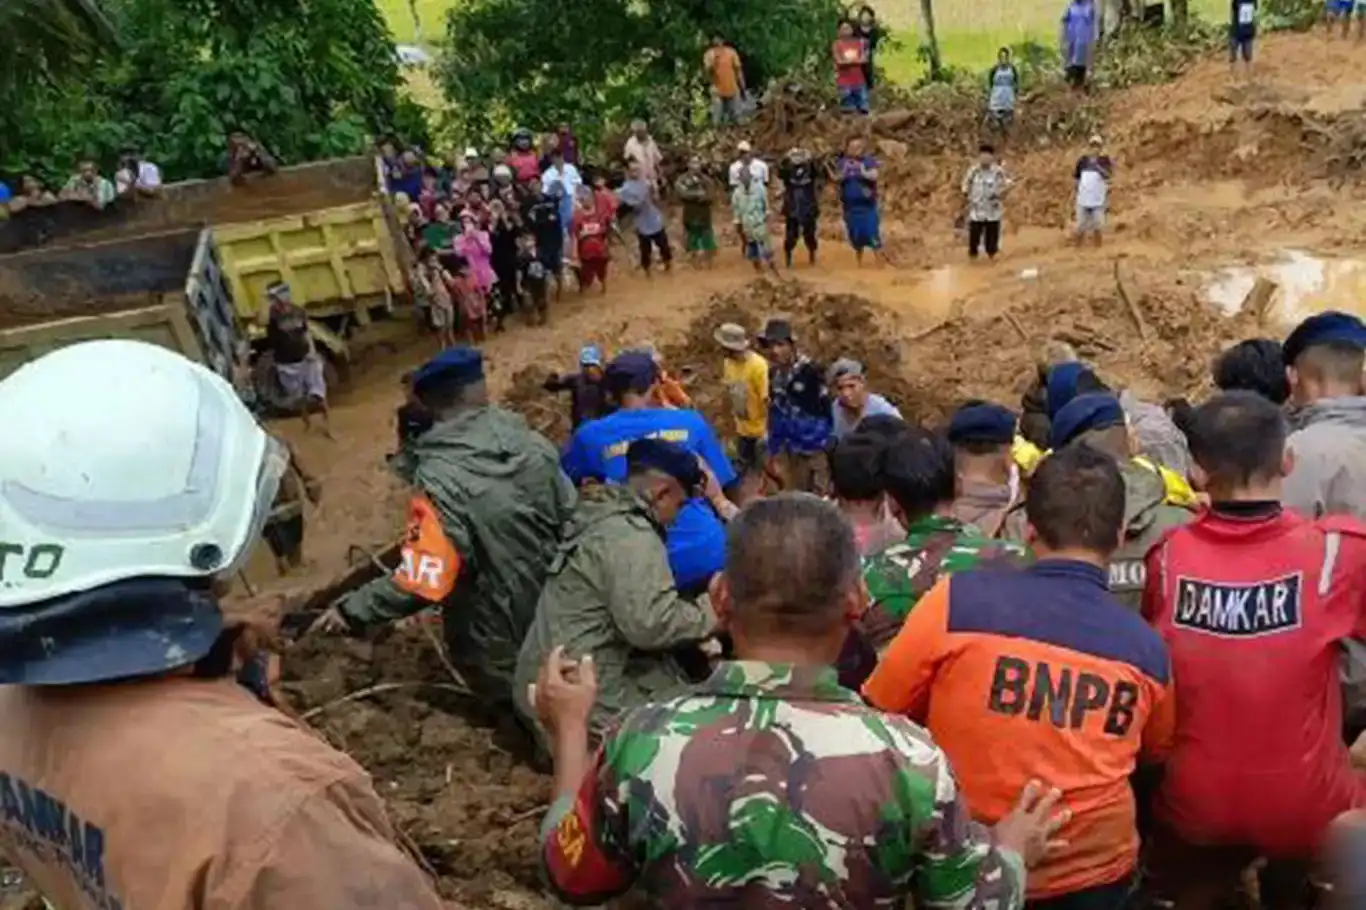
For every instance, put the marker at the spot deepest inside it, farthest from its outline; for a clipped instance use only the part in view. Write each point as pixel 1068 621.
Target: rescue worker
pixel 487 507
pixel 692 801
pixel 919 480
pixel 597 451
pixel 985 476
pixel 135 771
pixel 1324 361
pixel 1097 420
pixel 799 424
pixel 1252 599
pixel 587 394
pixel 1076 683
pixel 610 593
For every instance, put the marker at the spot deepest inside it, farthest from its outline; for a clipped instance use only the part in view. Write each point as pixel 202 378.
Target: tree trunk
pixel 417 21
pixel 931 41
pixel 1181 13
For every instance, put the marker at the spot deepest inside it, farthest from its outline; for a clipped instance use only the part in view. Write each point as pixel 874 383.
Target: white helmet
pixel 123 460
pixel 502 172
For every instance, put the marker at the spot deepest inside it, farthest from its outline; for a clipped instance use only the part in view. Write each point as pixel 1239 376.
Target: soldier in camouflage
pixel 770 785
pixel 610 592
pixel 919 478
pixel 1097 420
pixel 489 501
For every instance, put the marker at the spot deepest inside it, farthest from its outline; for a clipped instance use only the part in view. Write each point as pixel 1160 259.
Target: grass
pixel 970 31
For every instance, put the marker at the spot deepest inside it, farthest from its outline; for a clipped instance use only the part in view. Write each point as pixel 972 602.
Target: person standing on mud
pixel 1242 33
pixel 891 824
pixel 850 53
pixel 1079 34
pixel 642 195
pixel 136 770
pixel 857 174
pixel 489 500
pixel 749 207
pixel 694 189
pixel 1003 85
pixel 978 674
pixel 985 185
pixel 586 388
pixel 1097 420
pixel 1093 173
pixel 298 365
pixel 801 203
pixel 722 63
pixel 744 373
pixel 799 421
pixel 610 596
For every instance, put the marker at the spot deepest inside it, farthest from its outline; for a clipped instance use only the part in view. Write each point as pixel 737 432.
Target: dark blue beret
pixel 668 457
pixel 1062 385
pixel 1331 327
pixel 984 422
pixel 461 365
pixel 1096 411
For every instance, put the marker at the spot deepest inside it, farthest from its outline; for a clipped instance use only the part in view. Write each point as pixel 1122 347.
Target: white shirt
pixel 647 154
pixel 1091 189
pixel 757 169
pixel 148 178
pixel 568 175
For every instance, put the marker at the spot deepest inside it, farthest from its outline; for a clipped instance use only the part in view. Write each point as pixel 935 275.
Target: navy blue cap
pixel 1331 327
pixel 462 365
pixel 1096 411
pixel 140 627
pixel 984 422
pixel 631 370
pixel 668 457
pixel 1061 385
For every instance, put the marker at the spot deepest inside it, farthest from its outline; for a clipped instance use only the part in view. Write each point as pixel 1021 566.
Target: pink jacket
pixel 475 248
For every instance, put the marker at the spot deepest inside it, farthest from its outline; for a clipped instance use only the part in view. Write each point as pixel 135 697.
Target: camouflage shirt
pixel 900 575
pixel 772 786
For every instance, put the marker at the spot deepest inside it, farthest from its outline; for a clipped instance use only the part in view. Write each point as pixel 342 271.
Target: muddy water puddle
pixel 1306 284
pixel 939 293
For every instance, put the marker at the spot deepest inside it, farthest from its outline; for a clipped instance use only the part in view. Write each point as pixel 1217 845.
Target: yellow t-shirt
pixel 746 382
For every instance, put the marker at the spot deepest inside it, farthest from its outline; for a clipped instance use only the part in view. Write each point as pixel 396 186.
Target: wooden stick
pixel 441 654
pixel 1133 310
pixel 379 690
pixel 1015 324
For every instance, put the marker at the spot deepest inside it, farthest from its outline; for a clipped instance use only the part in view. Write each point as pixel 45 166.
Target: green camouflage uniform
pixel 935 546
pixel 772 786
pixel 503 500
pixel 1147 516
pixel 609 593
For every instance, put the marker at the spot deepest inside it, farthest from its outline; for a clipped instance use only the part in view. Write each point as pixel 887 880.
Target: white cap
pixel 744 146
pixel 471 152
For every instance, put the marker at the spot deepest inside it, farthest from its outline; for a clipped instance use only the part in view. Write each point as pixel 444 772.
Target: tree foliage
pixel 310 78
pixel 594 62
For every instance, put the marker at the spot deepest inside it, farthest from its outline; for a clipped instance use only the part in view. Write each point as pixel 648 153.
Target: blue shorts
pixel 863 226
pixel 1341 7
pixel 854 98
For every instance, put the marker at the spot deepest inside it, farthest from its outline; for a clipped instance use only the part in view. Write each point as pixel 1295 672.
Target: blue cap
pixel 140 627
pixel 1331 327
pixel 1096 411
pixel 590 355
pixel 632 370
pixel 668 457
pixel 462 365
pixel 1061 385
pixel 985 422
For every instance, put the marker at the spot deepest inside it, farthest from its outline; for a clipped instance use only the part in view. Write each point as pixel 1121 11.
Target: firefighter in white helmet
pixel 135 770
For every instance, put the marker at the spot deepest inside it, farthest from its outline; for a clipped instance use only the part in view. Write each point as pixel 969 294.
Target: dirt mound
pixel 470 807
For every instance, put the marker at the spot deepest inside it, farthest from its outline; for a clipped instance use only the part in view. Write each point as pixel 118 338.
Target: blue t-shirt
pixel 697 538
pixel 636 194
pixel 5 195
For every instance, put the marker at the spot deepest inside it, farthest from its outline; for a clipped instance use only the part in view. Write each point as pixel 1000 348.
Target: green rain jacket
pixel 610 594
pixel 502 501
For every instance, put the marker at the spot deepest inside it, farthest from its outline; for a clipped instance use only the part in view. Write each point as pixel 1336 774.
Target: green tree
pixel 309 78
pixel 42 37
pixel 596 62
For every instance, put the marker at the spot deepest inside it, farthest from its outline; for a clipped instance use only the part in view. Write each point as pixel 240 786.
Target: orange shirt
pixel 668 393
pixel 724 64
pixel 1038 673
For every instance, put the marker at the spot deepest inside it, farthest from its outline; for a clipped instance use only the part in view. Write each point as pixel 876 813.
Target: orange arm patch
pixel 429 563
pixel 580 871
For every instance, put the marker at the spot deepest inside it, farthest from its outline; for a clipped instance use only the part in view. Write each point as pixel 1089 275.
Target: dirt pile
pixel 469 806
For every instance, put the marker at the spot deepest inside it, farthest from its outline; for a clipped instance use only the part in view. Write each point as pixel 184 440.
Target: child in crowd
pixel 433 287
pixel 534 279
pixel 589 231
pixel 473 304
pixel 476 248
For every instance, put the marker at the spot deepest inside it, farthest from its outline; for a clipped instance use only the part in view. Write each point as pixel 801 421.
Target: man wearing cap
pixel 136 770
pixel 799 427
pixel 298 365
pixel 745 376
pixel 801 202
pixel 1093 173
pixel 853 400
pixel 1323 359
pixel 587 394
pixel 1253 600
pixel 488 504
pixel 610 595
pixel 987 480
pixel 597 451
pixel 1096 419
pixel 756 166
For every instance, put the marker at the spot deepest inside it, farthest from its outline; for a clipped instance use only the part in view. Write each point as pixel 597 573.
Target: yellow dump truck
pixel 189 268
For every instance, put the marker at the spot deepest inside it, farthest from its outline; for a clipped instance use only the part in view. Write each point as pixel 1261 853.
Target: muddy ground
pixel 1210 176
